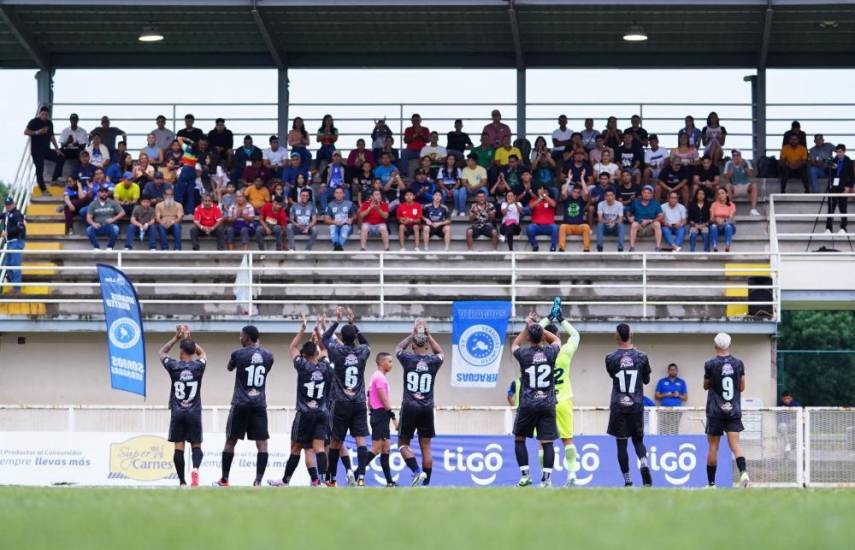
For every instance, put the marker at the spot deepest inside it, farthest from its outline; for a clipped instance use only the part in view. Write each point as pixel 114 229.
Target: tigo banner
pixel 125 338
pixel 478 339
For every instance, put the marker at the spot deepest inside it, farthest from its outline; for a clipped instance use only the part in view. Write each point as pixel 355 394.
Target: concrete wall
pixel 71 368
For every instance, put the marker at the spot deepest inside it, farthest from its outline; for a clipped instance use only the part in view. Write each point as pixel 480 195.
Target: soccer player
pixel 563 388
pixel 348 409
pixel 248 414
pixel 185 400
pixel 379 399
pixel 536 409
pixel 420 367
pixel 629 370
pixel 724 380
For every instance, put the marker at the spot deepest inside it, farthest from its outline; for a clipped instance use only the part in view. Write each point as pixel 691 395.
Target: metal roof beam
pixel 767 33
pixel 515 35
pixel 278 57
pixel 23 36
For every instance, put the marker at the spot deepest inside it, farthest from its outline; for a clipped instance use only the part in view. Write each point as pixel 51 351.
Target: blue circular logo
pixel 479 345
pixel 124 333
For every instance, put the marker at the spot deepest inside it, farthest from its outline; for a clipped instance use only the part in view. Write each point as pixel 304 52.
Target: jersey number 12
pixel 538 376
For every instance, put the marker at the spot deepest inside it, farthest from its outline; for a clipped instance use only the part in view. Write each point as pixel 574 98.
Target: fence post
pixel 119 258
pixel 173 117
pixel 249 294
pixel 401 145
pixel 72 421
pixel 800 446
pixel 807 446
pixel 644 284
pixel 382 289
pixel 513 284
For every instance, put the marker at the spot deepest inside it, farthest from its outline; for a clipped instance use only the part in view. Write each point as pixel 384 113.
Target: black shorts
pixel 380 425
pixel 411 229
pixel 626 424
pixel 482 231
pixel 185 426
pixel 542 419
pixel 416 418
pixel 247 421
pixel 348 416
pixel 719 426
pixel 437 232
pixel 308 427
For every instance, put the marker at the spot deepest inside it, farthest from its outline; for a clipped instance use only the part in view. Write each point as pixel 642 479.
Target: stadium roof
pixel 426 33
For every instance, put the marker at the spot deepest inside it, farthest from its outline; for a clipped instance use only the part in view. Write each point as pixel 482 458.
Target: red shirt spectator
pixel 542 213
pixel 373 217
pixel 273 218
pixel 416 138
pixel 496 130
pixel 255 171
pixel 411 211
pixel 358 156
pixel 207 217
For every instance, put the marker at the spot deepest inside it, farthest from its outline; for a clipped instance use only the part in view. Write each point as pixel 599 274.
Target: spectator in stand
pixel 485 153
pixel 102 216
pixel 386 169
pixel 142 225
pixel 415 138
pixel 612 136
pixel 579 171
pixel 630 156
pixel 449 176
pixel 693 135
pixel 610 220
pixel 437 222
pixel 168 213
pixel 655 159
pixel 40 131
pixel 841 179
pixel 190 132
pixel 185 187
pixel 14 234
pixel 542 209
pixel 820 157
pixel 708 175
pixel 713 136
pixel 560 139
pixel 597 194
pixel 605 165
pixel 639 134
pixel 627 191
pixel 99 181
pixel 108 134
pixel 501 155
pixel 336 178
pixel 393 190
pixel 388 149
pixel 340 215
pixel 538 150
pixel 501 187
pixel 119 153
pixel 795 130
pixel 294 169
pixel 208 222
pixel 497 130
pixel 241 220
pixel 72 140
pixel 482 214
pixel 272 221
pixel 434 151
pixel 302 220
pixel 152 151
pixel 574 197
pixel 156 188
pixel 512 213
pixel 357 157
pixel 172 162
pixel 78 191
pixel 117 171
pixel 362 183
pixel 228 199
pixel 423 187
pixel 244 157
pixel 793 163
pixel 373 214
pixel 298 142
pixel 473 180
pixel 699 220
pixel 525 189
pixel 674 220
pixel 277 191
pixel 457 141
pixel 645 217
pixel 379 134
pixel 257 194
pixel 127 192
pixel 687 153
pixel 589 135
pixel 254 171
pixel 163 135
pixel 544 168
pixel 409 220
pixel 722 220
pixel 222 141
pixel 143 171
pixel 738 173
pixel 274 158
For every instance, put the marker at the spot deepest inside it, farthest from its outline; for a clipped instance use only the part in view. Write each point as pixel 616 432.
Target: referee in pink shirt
pixel 381 412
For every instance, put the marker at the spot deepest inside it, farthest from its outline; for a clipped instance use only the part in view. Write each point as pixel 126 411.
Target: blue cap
pixel 8 200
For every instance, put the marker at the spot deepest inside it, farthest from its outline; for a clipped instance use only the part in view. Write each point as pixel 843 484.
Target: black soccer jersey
pixel 629 370
pixel 313 384
pixel 348 364
pixel 186 376
pixel 724 399
pixel 537 377
pixel 251 365
pixel 419 377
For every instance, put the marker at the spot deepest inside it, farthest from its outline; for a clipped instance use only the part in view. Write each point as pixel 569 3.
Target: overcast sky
pixel 383 90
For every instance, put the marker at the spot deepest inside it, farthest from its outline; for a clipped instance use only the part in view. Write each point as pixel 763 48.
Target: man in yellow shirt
pixel 503 153
pixel 794 157
pixel 257 194
pixel 128 195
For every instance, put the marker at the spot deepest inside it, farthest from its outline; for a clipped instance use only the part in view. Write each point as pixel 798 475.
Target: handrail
pixel 20 190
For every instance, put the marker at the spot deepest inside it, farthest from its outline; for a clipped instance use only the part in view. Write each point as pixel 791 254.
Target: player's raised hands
pixel 339 313
pixel 350 316
pixel 303 322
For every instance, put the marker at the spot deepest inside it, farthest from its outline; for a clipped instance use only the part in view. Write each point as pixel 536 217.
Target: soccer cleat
pixel 627 484
pixel 524 481
pixel 221 483
pixel 556 308
pixel 392 484
pixel 546 483
pixel 331 483
pixel 317 483
pixel 571 481
pixel 351 479
pixel 360 482
pixel 277 483
pixel 419 478
pixel 194 478
pixel 646 478
pixel 744 480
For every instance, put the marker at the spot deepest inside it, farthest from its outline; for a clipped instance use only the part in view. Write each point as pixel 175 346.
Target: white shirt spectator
pixel 656 159
pixel 674 215
pixel 80 137
pixel 436 154
pixel 561 135
pixel 277 158
pixel 611 169
pixel 612 214
pixel 100 157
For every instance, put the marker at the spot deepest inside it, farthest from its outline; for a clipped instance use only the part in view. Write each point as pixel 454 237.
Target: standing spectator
pixel 163 135
pixel 257 194
pixel 786 422
pixel 409 220
pixel 505 151
pixel 607 166
pixel 457 141
pixel 241 219
pixel 738 173
pixel 222 141
pixel 645 216
pixel 639 134
pixel 244 157
pixel 152 151
pixel 168 214
pixel 298 141
pixel 671 391
pixel 40 130
pixel 713 136
pixel 340 215
pixel 722 218
pixel 574 199
pixel 357 158
pixel 561 138
pixel 707 176
pixel 484 153
pixel 274 158
pixel 127 192
pixel 612 136
pixel 841 179
pixel 108 134
pixel 379 134
pixel 302 220
pixel 102 216
pixel 819 157
pixel 693 135
pixel 207 222
pixel 190 132
pixel 373 214
pixel 793 163
pixel 630 156
pixel 674 219
pixel 512 213
pixel 185 187
pixel 589 135
pixel 474 180
pixel 73 140
pixel 142 225
pixel 15 235
pixel 497 130
pixel 699 220
pixel 655 159
pixel 434 151
pixel 437 222
pixel 272 221
pixel 542 220
pixel 415 138
pixel 482 214
pixel 610 220
pixel 795 130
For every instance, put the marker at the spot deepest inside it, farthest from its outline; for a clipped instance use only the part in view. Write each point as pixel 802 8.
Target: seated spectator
pixel 108 134
pixel 713 136
pixel 457 141
pixel 436 222
pixel 362 183
pixel 409 219
pixel 525 190
pixel 72 141
pixel 373 214
pixel 485 153
pixel 819 157
pixel 501 187
pixel 241 219
pixel 708 175
pixel 99 154
pixel 560 138
pixel 244 157
pixel 793 163
pixel 596 195
pixel 152 151
pixel 627 191
pixel 497 130
pixel 687 153
pixel 699 220
pixel 142 225
pixel 630 157
pixel 277 191
pixel 540 148
pixel 385 169
pixel 542 209
pixel 504 151
pixel 302 220
pixel 222 141
pixel 738 173
pixel 639 134
pixel 357 158
pixel 544 169
pixel 448 177
pixel 674 219
pixel 589 135
pixel 795 130
pixel 274 158
pixel 841 179
pixel 172 158
pixel 294 169
pixel 394 189
pixel 100 181
pixel 340 215
pixel 606 165
pixel 272 221
pixel 190 132
pixel 378 137
pixel 415 138
pixel 512 213
pixel 255 171
pixel 482 214
pixel 423 188
pixel 673 177
pixel 77 194
pixel 208 221
pixel 435 152
pixel 257 194
pixel 612 135
pixel 610 220
pixel 118 154
pixel 722 220
pixel 426 165
pixel 473 180
pixel 102 216
pixel 655 159
pixel 117 171
pixel 336 178
pixel 579 170
pixel 513 172
pixel 163 135
pixel 389 149
pixel 645 217
pixel 574 197
pixel 143 171
pixel 595 155
pixel 298 142
pixel 227 199
pixel 155 188
pixel 693 135
pixel 168 214
pixel 127 192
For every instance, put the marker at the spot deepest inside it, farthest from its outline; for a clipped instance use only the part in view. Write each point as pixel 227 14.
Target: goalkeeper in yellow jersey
pixel 563 388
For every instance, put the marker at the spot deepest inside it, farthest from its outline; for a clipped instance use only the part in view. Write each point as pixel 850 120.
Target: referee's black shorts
pixel 380 425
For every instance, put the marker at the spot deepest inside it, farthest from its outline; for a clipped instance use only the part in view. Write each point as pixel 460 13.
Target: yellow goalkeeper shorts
pixel 564 418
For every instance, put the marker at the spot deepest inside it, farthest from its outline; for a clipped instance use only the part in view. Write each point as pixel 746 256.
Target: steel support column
pixel 521 103
pixel 283 100
pixel 44 87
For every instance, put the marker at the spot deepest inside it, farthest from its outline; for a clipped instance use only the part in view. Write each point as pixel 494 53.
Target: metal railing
pixel 21 190
pixel 794 224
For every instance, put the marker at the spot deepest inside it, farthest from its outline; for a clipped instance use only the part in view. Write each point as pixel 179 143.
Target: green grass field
pixel 438 519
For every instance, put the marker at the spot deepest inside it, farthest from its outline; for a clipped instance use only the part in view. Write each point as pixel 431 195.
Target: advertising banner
pixel 478 340
pixel 125 338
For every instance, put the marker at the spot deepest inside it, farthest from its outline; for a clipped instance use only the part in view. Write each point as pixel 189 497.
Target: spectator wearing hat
pixel 156 188
pixel 793 162
pixel 738 173
pixel 295 168
pixel 163 135
pixel 274 158
pixel 208 221
pixel 102 216
pixel 302 220
pixel 168 213
pixel 841 179
pixel 190 132
pixel 73 139
pixel 109 134
pixel 645 217
pixel 222 141
pixel 40 131
pixel 497 130
pixel 272 221
pixel 142 224
pixel 795 130
pixel 15 234
pixel 339 215
pixel 244 157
